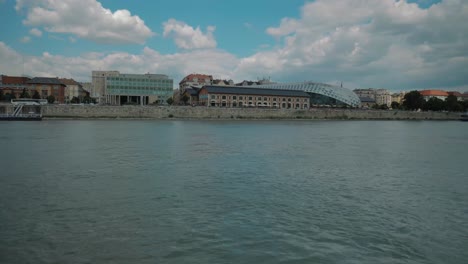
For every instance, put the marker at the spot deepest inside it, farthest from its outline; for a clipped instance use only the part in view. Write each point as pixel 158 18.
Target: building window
pixel 213 103
pixel 259 98
pixel 240 104
pixel 234 97
pixel 297 99
pixel 283 105
pixel 289 105
pixel 224 97
pixel 305 106
pixel 250 97
pixel 213 97
pixel 284 99
pixel 297 106
pixel 289 99
pixel 274 99
pixel 264 98
pixel 223 104
pixel 240 98
pixel 234 104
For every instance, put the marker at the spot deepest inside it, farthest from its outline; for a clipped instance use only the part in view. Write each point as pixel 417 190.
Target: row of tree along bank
pixel 50 99
pixel 415 101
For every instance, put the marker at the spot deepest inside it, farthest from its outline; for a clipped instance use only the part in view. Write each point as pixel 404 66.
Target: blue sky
pixel 389 44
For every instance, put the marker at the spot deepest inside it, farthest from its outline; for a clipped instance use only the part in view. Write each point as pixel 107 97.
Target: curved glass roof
pixel 341 94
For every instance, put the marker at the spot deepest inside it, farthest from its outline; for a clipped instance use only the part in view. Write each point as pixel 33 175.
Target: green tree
pixel 170 101
pixel 395 105
pixel 36 95
pixel 50 99
pixel 75 100
pixel 87 99
pixel 383 107
pixel 185 99
pixel 2 96
pixel 434 104
pixel 9 96
pixel 413 100
pixel 24 94
pixel 452 104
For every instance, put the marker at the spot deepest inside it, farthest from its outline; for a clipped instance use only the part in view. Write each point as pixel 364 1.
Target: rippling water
pixel 233 192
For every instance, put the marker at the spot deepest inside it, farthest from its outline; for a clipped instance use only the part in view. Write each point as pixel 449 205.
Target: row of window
pixel 111 87
pixel 259 104
pixel 139 80
pixel 259 98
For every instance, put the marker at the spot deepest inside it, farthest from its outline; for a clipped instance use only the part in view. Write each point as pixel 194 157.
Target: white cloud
pixel 187 37
pixel 385 43
pixel 389 44
pixel 212 61
pixel 35 32
pixel 85 19
pixel 25 39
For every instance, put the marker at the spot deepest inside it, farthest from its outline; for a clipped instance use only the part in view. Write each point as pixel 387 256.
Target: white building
pixel 381 96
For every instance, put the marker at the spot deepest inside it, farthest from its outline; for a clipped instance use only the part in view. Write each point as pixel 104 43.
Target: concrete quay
pixel 188 112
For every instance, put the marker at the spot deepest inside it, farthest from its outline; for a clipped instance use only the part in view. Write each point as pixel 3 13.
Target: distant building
pixel 428 94
pixel 398 97
pixel 194 80
pixel 98 83
pixel 117 89
pixel 465 96
pixel 73 89
pixel 367 102
pixel 235 96
pixel 263 81
pixel 14 85
pixel 457 94
pixel 381 96
pixel 223 82
pixel 47 86
pixel 321 94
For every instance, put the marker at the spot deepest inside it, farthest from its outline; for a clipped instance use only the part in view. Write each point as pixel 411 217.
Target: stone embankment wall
pixel 188 112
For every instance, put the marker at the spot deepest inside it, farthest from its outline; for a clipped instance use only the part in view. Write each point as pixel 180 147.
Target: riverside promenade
pixel 199 112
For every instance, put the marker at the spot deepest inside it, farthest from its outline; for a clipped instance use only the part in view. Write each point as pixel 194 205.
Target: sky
pixel 397 45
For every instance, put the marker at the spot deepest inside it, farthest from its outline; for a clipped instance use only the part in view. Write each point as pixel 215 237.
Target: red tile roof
pixel 457 94
pixel 14 79
pixel 433 93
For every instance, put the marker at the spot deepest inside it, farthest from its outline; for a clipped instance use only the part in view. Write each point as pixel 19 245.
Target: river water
pixel 133 191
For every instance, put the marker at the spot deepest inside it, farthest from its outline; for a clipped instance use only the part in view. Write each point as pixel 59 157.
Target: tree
pixel 50 99
pixel 170 101
pixel 395 105
pixel 24 94
pixel 383 107
pixel 434 104
pixel 87 99
pixel 185 99
pixel 2 96
pixel 413 100
pixel 36 95
pixel 452 104
pixel 75 100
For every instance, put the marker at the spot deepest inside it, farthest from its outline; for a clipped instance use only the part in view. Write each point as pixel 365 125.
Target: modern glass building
pixel 320 93
pixel 138 88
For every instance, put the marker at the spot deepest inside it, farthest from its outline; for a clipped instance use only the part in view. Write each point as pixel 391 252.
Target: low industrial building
pixel 236 96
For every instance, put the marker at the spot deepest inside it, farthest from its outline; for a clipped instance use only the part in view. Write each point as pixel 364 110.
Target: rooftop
pixel 433 93
pixel 253 91
pixel 45 80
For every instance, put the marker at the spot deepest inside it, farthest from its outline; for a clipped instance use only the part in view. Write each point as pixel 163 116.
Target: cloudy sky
pixel 398 45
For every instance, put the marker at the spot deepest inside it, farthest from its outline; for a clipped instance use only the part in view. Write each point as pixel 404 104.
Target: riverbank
pixel 188 112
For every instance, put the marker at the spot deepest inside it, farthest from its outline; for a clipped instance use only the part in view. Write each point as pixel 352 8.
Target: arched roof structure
pixel 343 95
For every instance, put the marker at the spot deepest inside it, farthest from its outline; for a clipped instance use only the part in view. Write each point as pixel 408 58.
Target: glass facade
pixel 140 85
pixel 320 93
